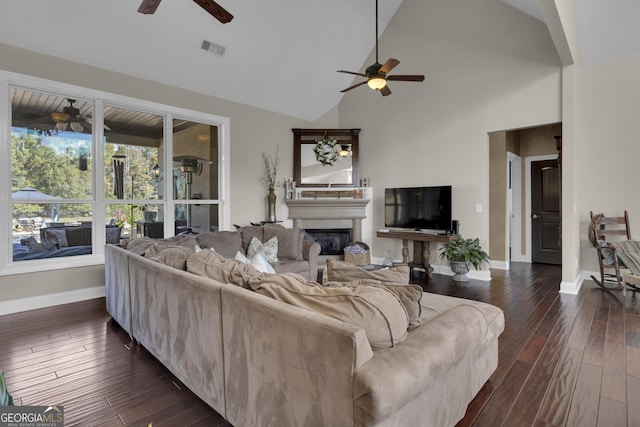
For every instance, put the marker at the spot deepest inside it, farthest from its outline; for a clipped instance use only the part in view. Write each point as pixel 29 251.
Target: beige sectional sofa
pixel 260 361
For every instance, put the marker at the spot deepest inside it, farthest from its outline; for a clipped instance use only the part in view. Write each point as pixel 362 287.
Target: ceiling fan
pixel 70 117
pixel 149 7
pixel 377 73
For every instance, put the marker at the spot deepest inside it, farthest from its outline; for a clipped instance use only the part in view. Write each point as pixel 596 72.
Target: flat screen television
pixel 418 208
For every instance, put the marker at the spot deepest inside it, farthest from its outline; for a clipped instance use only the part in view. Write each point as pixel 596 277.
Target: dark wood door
pixel 546 236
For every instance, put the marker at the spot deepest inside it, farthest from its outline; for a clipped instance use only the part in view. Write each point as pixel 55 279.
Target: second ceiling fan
pixel 221 14
pixel 377 73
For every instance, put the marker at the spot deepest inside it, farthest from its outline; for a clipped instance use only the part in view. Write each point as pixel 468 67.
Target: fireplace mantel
pixel 353 209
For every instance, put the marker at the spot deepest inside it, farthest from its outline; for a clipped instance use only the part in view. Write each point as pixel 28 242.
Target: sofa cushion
pixel 249 233
pixel 409 295
pixel 289 241
pixel 139 245
pixel 226 243
pixel 268 249
pixel 173 256
pixel 374 309
pixel 210 264
pixel 183 240
pixel 293 266
pixel 340 271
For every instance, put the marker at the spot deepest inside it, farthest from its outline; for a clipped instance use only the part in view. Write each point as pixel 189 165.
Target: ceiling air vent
pixel 212 48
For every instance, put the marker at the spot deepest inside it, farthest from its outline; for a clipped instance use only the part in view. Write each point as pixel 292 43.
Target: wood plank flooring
pixel 563 360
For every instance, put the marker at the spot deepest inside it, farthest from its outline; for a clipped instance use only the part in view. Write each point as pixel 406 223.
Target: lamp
pixel 377 83
pixel 345 150
pixel 156 173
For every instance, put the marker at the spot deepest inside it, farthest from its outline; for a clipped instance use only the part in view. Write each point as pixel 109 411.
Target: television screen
pixel 418 208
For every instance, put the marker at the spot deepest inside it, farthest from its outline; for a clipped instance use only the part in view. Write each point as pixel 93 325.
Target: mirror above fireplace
pixel 325 157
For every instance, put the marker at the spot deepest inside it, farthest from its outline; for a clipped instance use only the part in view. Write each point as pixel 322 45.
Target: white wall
pixel 490 68
pixel 253 131
pixel 607 145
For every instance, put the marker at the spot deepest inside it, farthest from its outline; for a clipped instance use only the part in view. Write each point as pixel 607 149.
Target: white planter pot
pixel 460 269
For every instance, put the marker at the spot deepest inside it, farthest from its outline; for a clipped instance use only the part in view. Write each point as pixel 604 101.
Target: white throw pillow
pixel 268 249
pixel 258 262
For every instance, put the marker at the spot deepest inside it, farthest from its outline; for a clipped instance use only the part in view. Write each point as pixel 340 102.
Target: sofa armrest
pixel 310 252
pixel 398 375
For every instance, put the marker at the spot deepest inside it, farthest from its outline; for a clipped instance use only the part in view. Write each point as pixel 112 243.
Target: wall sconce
pixel 345 150
pixel 156 173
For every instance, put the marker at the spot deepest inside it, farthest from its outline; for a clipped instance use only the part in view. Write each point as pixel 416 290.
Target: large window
pixel 95 169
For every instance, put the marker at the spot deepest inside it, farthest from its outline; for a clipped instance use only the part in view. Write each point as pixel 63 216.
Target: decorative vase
pixel 460 268
pixel 388 261
pixel 271 206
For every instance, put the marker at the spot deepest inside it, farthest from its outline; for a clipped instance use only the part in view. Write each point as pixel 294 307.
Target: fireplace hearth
pixel 332 240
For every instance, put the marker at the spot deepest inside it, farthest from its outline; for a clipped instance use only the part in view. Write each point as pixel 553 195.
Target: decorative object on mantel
pixel 318 161
pixel 271 162
pixel 327 150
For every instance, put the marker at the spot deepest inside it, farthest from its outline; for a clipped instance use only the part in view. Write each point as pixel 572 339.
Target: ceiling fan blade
pixel 215 10
pixel 389 65
pixel 148 6
pixel 385 91
pixel 353 72
pixel 406 78
pixel 354 86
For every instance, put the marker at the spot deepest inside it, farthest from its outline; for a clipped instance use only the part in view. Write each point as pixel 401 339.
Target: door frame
pixel 527 209
pixel 514 208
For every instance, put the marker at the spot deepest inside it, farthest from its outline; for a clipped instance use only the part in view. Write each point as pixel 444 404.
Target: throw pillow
pixel 269 249
pixel 59 237
pixel 258 262
pixel 607 254
pixel 113 235
pixel 289 241
pixel 374 309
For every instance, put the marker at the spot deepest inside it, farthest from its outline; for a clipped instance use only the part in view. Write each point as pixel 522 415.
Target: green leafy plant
pixel 5 397
pixel 468 251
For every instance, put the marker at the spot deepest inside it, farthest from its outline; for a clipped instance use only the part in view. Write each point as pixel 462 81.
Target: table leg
pixel 426 254
pixel 405 251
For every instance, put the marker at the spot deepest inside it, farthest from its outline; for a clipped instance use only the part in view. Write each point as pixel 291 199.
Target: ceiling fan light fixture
pixel 60 117
pixel 76 127
pixel 62 126
pixel 376 83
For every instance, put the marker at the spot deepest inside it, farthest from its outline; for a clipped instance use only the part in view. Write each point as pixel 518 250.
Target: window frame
pixel 98 200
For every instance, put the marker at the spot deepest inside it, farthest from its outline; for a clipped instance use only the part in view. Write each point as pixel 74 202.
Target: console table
pixel 421 243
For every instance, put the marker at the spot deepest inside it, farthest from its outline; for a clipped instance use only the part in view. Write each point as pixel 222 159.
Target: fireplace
pixel 332 240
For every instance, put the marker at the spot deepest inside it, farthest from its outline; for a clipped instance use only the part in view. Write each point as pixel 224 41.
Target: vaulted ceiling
pixel 279 55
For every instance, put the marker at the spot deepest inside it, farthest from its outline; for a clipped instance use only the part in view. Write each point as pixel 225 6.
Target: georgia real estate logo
pixel 32 416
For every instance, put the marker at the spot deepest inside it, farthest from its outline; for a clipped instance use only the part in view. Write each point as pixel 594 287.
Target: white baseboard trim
pixel 42 301
pixel 573 288
pixel 500 265
pixel 472 274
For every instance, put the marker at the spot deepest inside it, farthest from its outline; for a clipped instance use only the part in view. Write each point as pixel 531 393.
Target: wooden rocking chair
pixel 606 234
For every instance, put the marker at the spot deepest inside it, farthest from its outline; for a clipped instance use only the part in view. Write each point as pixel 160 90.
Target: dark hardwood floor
pixel 563 360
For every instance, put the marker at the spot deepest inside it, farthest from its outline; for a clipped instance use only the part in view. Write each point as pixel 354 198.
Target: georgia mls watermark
pixel 31 416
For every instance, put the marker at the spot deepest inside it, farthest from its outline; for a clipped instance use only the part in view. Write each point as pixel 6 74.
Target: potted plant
pixel 461 253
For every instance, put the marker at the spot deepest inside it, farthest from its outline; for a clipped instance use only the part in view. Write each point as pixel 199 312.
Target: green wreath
pixel 327 150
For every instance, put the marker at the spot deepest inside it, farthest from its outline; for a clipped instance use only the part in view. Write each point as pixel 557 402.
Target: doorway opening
pixel 511 155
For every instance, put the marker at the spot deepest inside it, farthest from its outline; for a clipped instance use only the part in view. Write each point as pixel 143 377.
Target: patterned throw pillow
pixel 269 249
